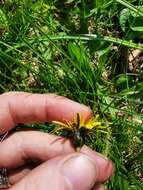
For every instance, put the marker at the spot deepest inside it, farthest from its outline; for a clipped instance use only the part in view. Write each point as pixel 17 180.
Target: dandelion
pixel 78 130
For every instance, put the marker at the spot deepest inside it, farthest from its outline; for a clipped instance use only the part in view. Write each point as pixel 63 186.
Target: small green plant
pixel 84 57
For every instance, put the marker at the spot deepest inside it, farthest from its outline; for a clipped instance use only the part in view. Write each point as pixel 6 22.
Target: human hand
pixel 37 160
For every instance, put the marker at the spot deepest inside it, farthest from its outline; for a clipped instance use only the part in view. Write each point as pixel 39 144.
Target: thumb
pixel 71 172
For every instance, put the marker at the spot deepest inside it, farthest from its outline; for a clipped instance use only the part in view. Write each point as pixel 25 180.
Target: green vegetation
pixel 91 52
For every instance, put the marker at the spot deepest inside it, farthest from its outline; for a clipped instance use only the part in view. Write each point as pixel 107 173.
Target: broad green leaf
pixel 3 19
pixel 137 28
pixel 123 19
pixel 77 53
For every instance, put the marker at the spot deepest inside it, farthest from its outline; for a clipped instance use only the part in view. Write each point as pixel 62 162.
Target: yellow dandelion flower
pixel 78 130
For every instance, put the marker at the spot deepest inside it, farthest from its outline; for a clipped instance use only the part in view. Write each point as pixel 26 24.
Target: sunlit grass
pixel 83 57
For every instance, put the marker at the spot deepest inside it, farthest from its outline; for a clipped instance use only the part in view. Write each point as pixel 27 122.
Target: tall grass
pixel 81 49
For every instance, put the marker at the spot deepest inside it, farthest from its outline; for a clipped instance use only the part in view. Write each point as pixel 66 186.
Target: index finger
pixel 22 107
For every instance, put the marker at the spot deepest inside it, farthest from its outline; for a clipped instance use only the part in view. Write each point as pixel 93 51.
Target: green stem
pixel 131 7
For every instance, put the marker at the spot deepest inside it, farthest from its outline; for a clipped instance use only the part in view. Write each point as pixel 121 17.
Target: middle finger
pixel 36 146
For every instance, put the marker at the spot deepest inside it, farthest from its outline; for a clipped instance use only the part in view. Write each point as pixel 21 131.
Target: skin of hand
pixel 36 160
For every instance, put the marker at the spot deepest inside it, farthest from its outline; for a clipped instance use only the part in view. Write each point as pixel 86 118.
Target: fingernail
pixel 80 172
